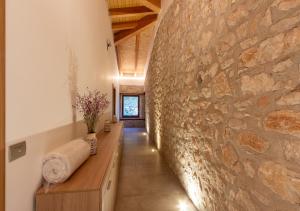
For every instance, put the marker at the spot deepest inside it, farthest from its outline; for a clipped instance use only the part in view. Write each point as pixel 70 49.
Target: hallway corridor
pixel 145 182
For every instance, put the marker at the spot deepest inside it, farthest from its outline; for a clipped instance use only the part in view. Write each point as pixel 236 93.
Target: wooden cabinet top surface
pixel 90 175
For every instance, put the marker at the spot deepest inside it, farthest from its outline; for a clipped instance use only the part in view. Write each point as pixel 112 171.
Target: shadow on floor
pixel 145 181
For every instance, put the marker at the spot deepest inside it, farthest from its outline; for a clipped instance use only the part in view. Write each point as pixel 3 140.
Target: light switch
pixel 17 150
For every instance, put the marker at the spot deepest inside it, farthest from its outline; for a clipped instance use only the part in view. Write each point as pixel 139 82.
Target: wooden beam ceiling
pixel 154 5
pixel 128 21
pixel 129 12
pixel 124 25
pixel 142 25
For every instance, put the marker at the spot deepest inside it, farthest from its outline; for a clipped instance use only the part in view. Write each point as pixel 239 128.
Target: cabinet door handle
pixel 108 185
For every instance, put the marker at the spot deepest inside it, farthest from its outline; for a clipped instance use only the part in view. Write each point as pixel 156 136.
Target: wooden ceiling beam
pixel 124 25
pixel 154 5
pixel 130 11
pixel 142 25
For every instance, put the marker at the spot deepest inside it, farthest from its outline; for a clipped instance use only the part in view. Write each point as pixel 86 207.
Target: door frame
pixel 114 101
pixel 2 105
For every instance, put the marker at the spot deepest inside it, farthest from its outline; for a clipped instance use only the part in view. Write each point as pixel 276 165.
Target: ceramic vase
pixel 92 140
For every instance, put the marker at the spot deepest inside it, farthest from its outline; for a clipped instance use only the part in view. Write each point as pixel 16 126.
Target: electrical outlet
pixel 17 150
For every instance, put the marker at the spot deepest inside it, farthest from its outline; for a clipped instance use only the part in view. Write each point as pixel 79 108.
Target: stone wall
pixel 135 90
pixel 223 101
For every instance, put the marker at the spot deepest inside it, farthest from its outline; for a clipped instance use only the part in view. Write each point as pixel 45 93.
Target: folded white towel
pixel 60 164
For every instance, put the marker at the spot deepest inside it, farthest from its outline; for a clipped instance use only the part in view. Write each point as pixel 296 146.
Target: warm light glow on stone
pixel 147 126
pixel 147 121
pixel 158 141
pixel 182 206
pixel 158 137
pixel 193 189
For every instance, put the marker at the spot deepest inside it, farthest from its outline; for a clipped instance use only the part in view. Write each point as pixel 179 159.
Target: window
pixel 130 107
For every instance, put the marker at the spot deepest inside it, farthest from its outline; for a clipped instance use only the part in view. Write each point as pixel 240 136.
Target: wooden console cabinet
pixel 93 186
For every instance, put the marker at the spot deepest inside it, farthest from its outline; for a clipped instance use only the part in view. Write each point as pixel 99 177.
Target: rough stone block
pixel 253 142
pixel 257 84
pixel 282 181
pixel 283 121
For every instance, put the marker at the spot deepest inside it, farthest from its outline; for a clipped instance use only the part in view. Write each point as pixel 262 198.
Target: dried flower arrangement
pixel 92 105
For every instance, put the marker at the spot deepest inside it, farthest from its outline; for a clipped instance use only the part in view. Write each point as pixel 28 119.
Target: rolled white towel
pixel 60 164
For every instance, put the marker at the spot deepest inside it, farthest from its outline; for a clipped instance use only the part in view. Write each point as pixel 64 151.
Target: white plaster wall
pixel 48 43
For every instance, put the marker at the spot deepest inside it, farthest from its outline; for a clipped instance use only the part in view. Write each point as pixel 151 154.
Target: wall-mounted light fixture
pixel 108 44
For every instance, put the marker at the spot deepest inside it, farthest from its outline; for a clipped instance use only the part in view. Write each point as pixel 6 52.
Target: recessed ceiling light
pixel 132 78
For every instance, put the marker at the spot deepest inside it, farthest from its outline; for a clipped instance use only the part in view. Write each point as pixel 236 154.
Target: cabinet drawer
pixel 110 186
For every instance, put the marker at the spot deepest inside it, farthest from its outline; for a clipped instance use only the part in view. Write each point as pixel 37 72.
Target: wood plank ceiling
pixel 133 26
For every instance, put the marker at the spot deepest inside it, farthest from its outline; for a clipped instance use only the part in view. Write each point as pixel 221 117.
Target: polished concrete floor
pixel 145 182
